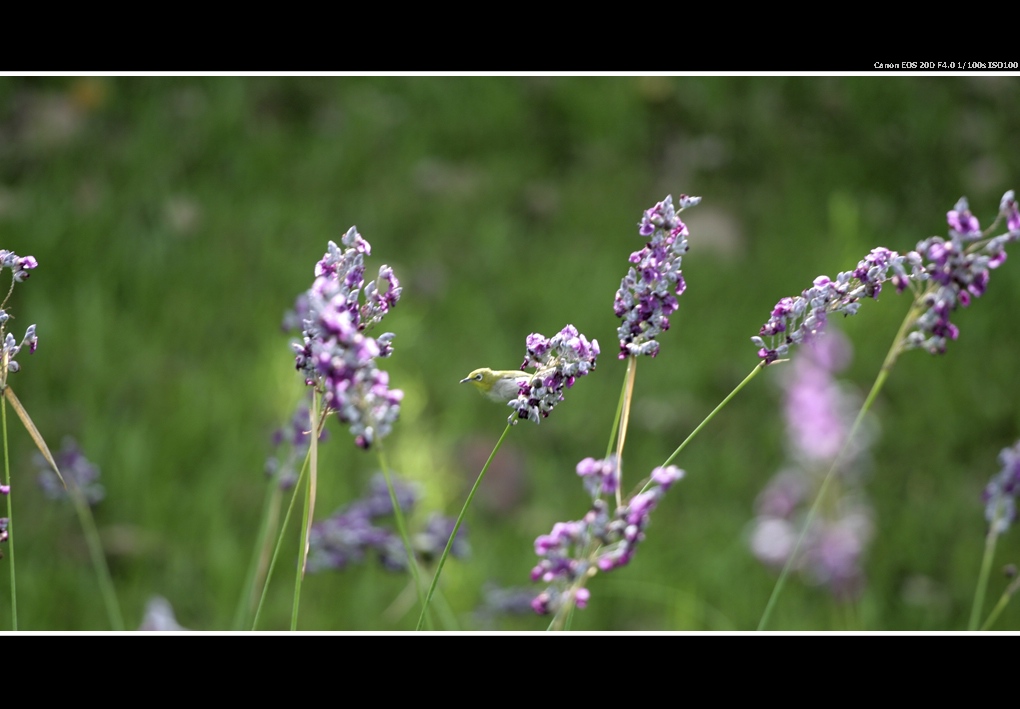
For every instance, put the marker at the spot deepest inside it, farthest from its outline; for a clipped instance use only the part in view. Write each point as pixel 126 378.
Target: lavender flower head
pixel 943 273
pixel 9 348
pixel 957 269
pixel 560 360
pixel 77 471
pixel 575 551
pixel 335 355
pixel 800 319
pixel 648 293
pixel 1001 492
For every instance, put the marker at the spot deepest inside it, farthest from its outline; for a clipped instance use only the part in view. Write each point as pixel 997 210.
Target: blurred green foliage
pixel 176 219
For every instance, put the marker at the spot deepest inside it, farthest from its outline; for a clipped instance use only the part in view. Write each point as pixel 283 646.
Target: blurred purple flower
pixel 354 531
pixel 504 601
pixel 1001 492
pixel 76 469
pixel 819 413
pixel 431 541
pixel 294 441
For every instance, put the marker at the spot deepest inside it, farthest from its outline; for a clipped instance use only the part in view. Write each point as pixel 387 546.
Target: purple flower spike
pixel 574 551
pixel 648 293
pixel 957 271
pixel 560 360
pixel 1001 492
pixel 803 318
pixel 335 355
pixel 944 274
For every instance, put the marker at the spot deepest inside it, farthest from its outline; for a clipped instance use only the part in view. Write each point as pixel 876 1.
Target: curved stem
pixel 456 527
pixel 562 618
pixel 257 565
pixel 754 372
pixel 309 512
pixel 986 568
pixel 10 516
pixel 616 419
pixel 95 545
pixel 628 397
pixel 279 542
pixel 1003 602
pixel 883 374
pixel 398 516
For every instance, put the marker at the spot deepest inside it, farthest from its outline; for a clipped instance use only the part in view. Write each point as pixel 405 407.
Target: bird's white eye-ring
pixel 478 377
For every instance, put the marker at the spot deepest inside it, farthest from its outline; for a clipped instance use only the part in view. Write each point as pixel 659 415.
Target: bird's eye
pixel 478 377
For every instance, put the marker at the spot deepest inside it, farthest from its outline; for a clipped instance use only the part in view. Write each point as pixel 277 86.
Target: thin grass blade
pixel 33 431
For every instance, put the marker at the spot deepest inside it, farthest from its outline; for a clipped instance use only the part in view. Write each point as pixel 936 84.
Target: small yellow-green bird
pixel 502 385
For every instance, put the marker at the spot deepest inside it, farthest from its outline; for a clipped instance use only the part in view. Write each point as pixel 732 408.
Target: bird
pixel 501 385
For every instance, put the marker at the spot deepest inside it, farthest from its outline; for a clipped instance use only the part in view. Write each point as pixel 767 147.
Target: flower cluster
pixel 298 437
pixel 77 471
pixel 575 551
pixel 599 476
pixel 818 414
pixel 799 319
pixel 957 269
pixel 353 531
pixel 19 265
pixel 559 359
pixel 1001 492
pixel 10 347
pixel 429 543
pixel 950 271
pixel 648 293
pixel 335 355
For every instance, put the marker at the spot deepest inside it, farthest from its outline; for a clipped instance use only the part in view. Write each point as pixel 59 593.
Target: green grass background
pixel 175 220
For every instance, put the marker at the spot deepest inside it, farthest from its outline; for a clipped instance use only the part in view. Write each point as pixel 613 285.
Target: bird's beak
pixel 465 379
